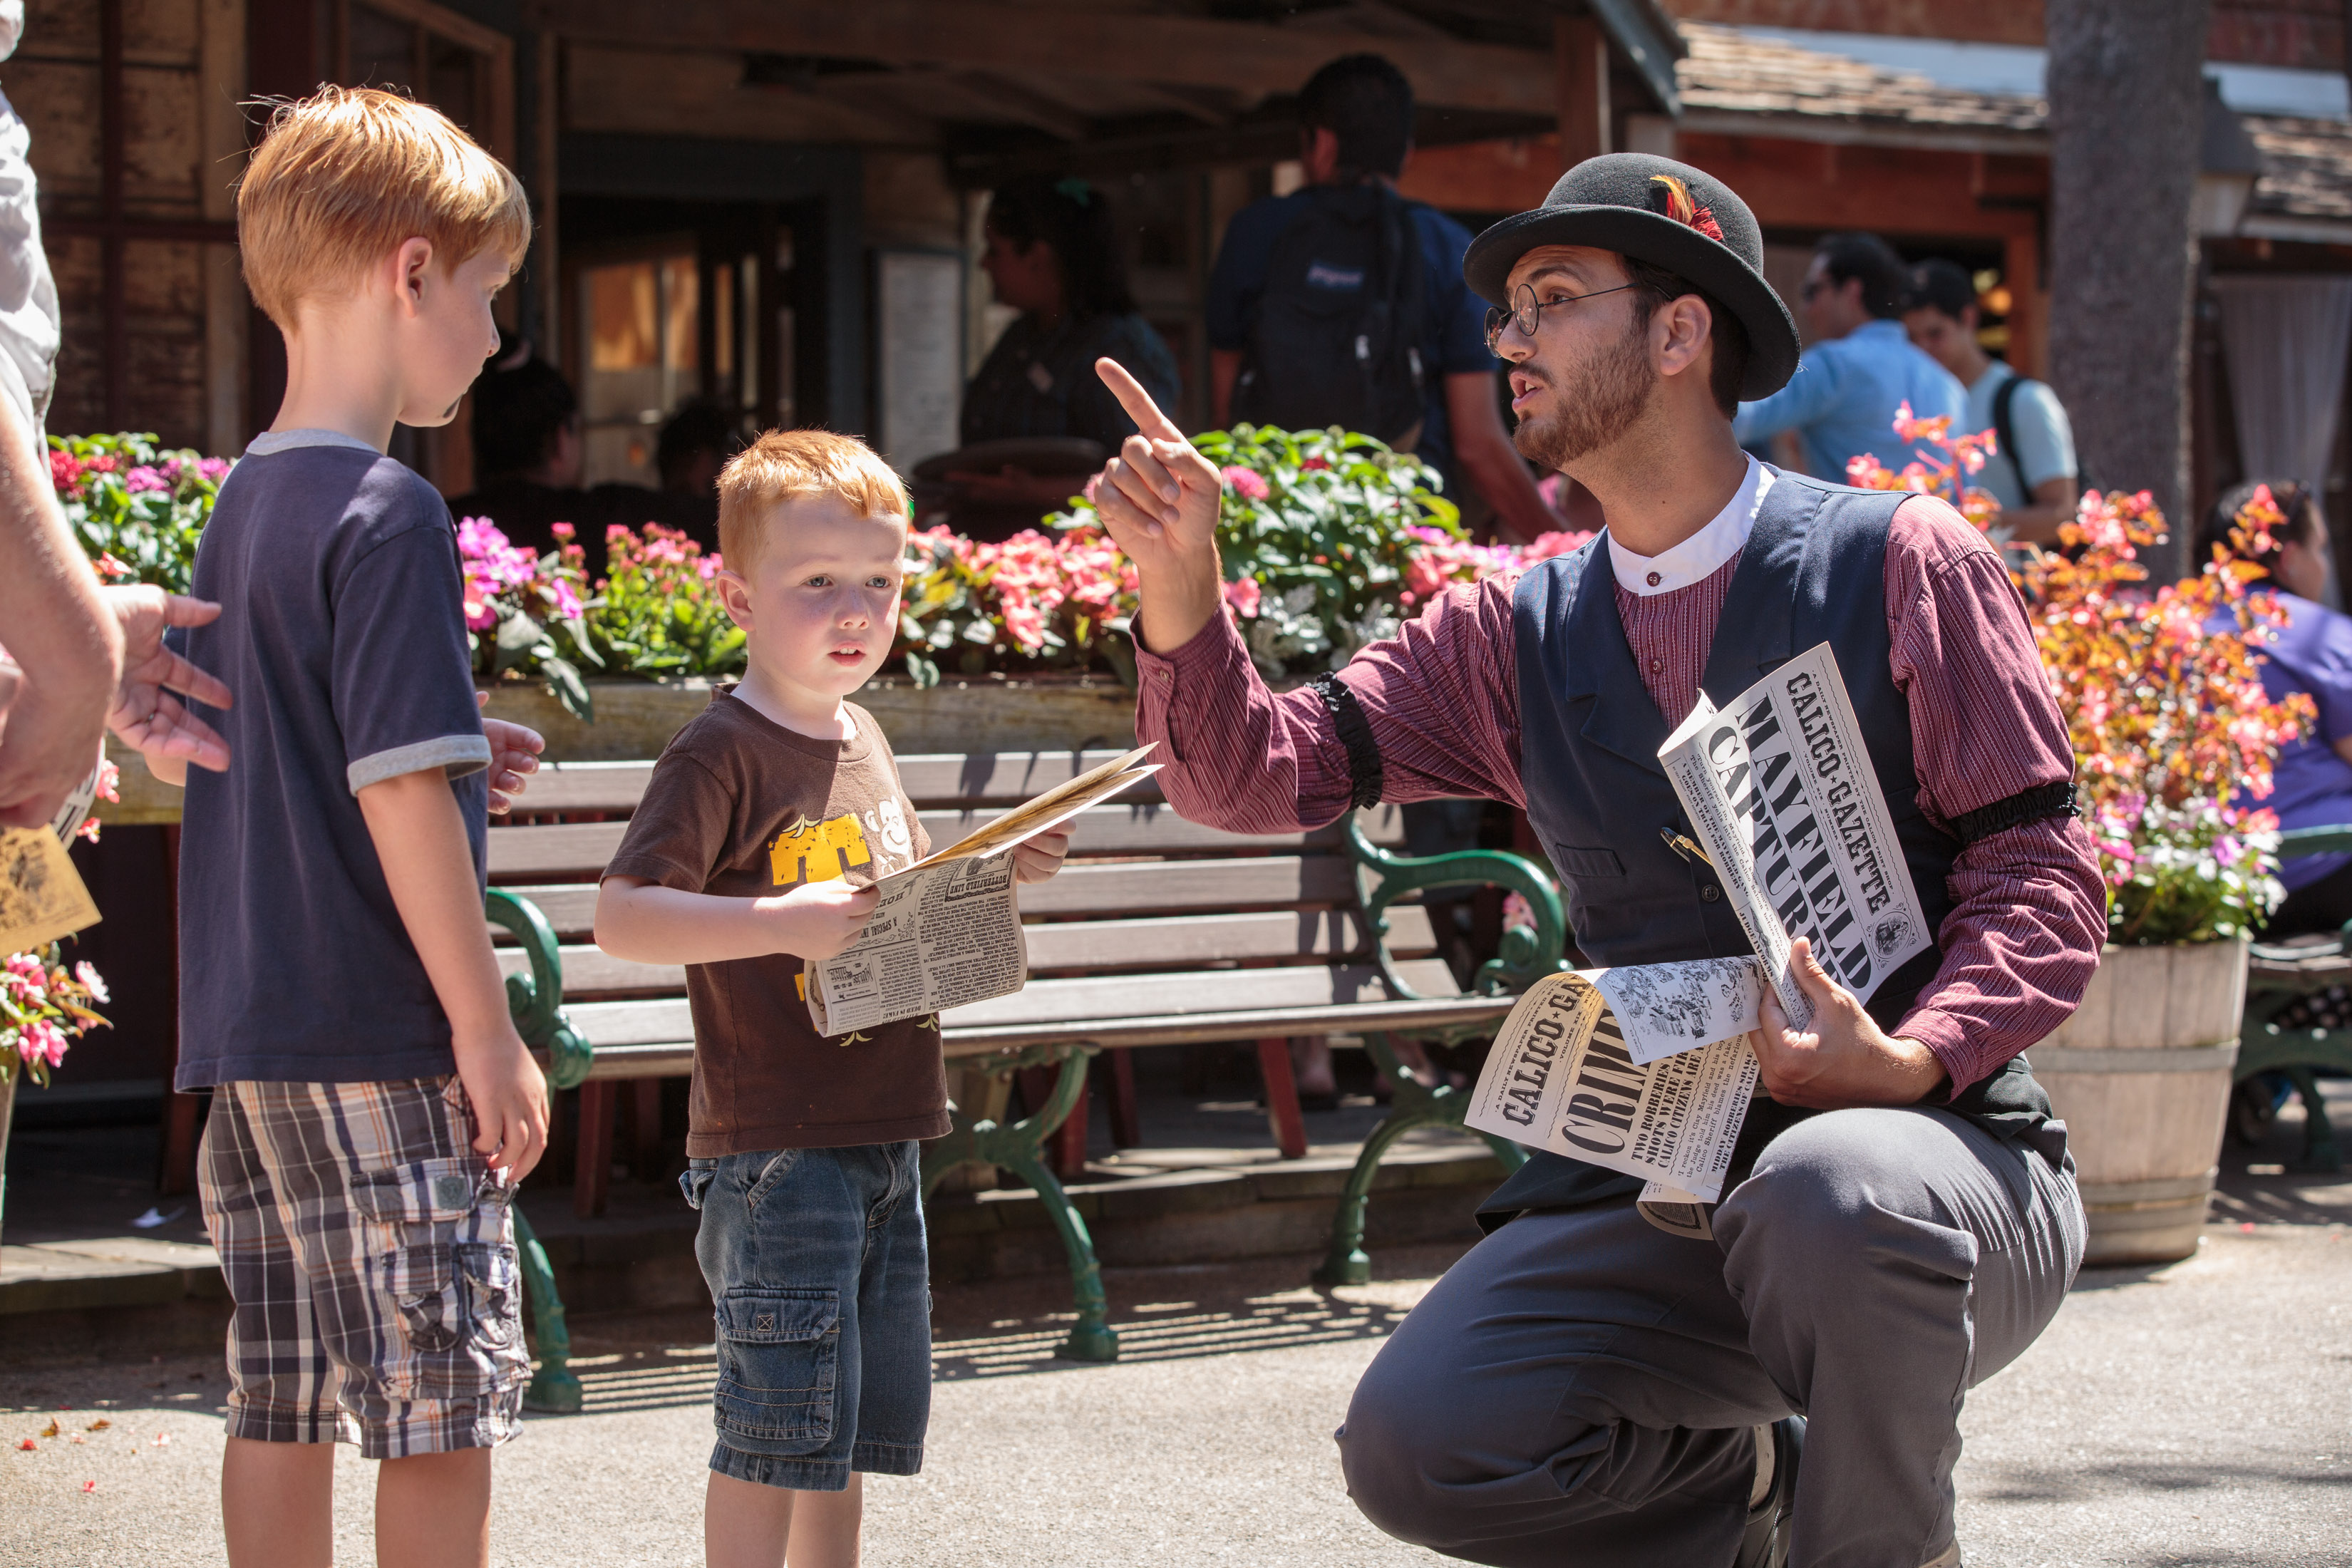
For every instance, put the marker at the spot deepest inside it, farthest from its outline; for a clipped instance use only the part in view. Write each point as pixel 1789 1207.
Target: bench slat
pixel 1108 1002
pixel 581 849
pixel 1142 887
pixel 1090 945
pixel 673 1058
pixel 940 779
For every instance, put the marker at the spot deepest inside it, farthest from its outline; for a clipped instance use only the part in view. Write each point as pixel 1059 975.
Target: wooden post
pixel 592 1178
pixel 2029 318
pixel 1282 1096
pixel 1582 53
pixel 1126 1116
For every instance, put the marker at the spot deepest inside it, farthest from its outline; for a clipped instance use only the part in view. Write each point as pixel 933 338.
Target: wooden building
pixel 772 204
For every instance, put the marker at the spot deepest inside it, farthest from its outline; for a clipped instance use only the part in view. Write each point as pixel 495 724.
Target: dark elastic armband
pixel 1355 733
pixel 2026 805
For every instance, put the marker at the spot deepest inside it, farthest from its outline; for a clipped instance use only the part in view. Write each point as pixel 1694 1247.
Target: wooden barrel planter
pixel 2140 1075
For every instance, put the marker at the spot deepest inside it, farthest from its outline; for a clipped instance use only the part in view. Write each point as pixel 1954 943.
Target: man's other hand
pixel 145 715
pixel 1158 499
pixel 514 757
pixel 1845 1059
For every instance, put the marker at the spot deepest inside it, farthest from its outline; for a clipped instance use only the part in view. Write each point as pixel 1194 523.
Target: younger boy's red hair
pixel 793 464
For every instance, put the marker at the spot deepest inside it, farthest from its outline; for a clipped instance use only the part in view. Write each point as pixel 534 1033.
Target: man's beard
pixel 1594 410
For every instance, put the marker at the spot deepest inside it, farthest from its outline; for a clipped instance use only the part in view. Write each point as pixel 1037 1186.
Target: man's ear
pixel 1681 332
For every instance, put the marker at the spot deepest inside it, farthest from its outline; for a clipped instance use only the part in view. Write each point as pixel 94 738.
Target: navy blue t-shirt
pixel 1454 330
pixel 342 636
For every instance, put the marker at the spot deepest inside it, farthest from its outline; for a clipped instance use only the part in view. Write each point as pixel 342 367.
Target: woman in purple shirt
pixel 2312 785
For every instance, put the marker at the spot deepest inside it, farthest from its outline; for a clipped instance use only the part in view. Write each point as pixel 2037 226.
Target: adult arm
pixel 1483 449
pixel 146 716
pixel 2029 911
pixel 1439 696
pixel 420 837
pixel 66 644
pixel 2046 461
pixel 1224 369
pixel 2053 504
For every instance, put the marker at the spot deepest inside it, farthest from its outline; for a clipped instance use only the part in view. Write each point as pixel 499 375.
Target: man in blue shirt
pixel 1861 369
pixel 1355 118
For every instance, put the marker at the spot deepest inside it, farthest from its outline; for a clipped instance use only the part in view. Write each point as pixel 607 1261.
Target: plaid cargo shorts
pixel 371 1257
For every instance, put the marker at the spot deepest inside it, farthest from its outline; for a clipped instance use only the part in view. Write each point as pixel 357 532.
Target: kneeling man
pixel 1901 1219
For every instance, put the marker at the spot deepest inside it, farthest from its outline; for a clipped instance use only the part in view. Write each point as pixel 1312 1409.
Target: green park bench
pixel 2280 975
pixel 1158 931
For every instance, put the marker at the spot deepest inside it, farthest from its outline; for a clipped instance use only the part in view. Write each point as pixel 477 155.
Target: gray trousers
pixel 1579 1389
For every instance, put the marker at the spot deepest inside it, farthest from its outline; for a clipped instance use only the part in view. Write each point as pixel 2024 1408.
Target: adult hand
pixel 514 757
pixel 1035 859
pixel 145 715
pixel 1845 1059
pixel 1158 499
pixel 51 729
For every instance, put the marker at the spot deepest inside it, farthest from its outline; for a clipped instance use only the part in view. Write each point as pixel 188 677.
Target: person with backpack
pixel 2034 474
pixel 1343 303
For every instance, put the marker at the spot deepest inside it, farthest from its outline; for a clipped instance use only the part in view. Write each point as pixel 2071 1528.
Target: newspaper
pixel 947 930
pixel 42 896
pixel 1647 1068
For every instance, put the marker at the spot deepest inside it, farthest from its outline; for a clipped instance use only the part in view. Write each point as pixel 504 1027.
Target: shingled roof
pixel 1738 81
pixel 2305 191
pixel 1741 83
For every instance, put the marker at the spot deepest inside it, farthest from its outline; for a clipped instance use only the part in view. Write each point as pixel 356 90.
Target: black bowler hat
pixel 1665 213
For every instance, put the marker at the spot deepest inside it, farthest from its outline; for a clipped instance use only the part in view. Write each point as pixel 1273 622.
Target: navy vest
pixel 1813 571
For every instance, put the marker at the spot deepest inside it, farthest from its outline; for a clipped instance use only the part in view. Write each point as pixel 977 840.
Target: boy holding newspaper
pixel 756 849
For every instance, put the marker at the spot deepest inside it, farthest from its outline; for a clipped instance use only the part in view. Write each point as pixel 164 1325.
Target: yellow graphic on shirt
pixel 841 839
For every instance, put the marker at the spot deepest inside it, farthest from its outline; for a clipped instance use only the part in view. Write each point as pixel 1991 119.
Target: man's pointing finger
pixel 1138 403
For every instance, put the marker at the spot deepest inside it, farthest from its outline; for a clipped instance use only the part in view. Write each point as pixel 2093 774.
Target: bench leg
pixel 644 1129
pixel 1019 1147
pixel 1282 1098
pixel 1126 1115
pixel 592 1177
pixel 2319 1150
pixel 1414 1105
pixel 554 1386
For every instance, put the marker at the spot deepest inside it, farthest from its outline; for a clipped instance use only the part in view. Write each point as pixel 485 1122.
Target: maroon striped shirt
pixel 2029 913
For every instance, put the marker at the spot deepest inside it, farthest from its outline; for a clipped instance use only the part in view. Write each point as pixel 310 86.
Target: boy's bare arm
pixel 420 837
pixel 648 924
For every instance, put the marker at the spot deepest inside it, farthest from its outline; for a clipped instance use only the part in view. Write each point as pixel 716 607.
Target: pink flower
pixel 143 478
pixel 1548 545
pixel 213 469
pixel 1423 574
pixel 1244 595
pixel 41 1040
pixel 110 569
pixel 87 973
pixel 1245 482
pixel 563 530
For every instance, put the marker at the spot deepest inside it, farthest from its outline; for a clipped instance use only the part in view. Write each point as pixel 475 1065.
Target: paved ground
pixel 2200 1414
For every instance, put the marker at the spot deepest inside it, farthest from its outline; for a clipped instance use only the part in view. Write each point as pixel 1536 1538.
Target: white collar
pixel 1698 558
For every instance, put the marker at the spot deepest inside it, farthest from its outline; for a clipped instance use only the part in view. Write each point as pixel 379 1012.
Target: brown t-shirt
pixel 743 808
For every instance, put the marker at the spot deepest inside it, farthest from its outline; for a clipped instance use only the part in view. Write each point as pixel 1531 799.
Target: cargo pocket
pixel 453 1293
pixel 777 1355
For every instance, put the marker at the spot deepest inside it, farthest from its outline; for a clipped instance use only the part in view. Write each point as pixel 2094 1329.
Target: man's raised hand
pixel 1158 499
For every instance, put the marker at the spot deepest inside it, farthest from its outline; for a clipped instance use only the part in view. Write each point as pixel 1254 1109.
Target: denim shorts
pixel 816 1265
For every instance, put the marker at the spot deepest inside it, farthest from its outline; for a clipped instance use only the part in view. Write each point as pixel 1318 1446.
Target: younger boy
pixel 373 1106
pixel 766 822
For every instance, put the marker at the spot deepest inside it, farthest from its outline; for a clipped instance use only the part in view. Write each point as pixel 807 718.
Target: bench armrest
pixel 536 999
pixel 2297 842
pixel 1382 878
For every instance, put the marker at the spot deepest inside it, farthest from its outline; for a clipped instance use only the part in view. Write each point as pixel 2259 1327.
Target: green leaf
pixel 563 679
pixel 519 641
pixel 922 671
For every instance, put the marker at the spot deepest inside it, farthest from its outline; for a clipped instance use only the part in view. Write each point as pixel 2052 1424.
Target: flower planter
pixel 636 718
pixel 2141 1075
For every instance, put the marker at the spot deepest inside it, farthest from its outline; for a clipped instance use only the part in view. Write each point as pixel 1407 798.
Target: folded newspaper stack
pixel 947 930
pixel 1646 1069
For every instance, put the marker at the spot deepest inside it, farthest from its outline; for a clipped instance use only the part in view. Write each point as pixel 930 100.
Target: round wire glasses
pixel 1526 312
